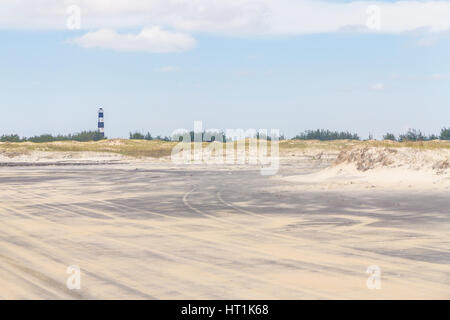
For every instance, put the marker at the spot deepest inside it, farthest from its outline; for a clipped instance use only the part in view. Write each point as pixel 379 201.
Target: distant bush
pixel 44 138
pixel 136 136
pixel 389 136
pixel 260 136
pixel 162 138
pixel 10 138
pixel 416 135
pixel 412 135
pixel 87 136
pixel 445 134
pixel 206 136
pixel 82 136
pixel 148 136
pixel 326 135
pixel 139 136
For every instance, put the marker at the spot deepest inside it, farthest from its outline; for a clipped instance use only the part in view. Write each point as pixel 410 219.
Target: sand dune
pixel 392 168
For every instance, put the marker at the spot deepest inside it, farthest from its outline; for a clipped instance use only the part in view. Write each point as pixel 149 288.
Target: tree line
pixel 148 136
pixel 208 136
pixel 325 135
pixel 410 135
pixel 417 135
pixel 81 136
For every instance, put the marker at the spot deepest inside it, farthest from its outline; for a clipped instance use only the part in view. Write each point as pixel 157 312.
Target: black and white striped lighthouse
pixel 101 122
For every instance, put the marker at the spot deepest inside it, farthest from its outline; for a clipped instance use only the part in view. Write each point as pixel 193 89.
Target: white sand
pixel 402 168
pixel 59 157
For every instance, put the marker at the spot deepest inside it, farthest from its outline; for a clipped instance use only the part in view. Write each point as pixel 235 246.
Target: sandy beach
pixel 149 229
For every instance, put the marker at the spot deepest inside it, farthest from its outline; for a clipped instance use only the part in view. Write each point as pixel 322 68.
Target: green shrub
pixel 86 136
pixel 389 136
pixel 137 136
pixel 82 136
pixel 148 136
pixel 10 138
pixel 326 135
pixel 416 135
pixel 160 138
pixel 445 134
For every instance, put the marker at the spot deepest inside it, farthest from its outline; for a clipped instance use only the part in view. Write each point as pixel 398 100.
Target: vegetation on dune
pixel 417 135
pixel 148 136
pixel 82 137
pixel 139 136
pixel 425 145
pixel 410 135
pixel 445 134
pixel 133 148
pixel 340 145
pixel 389 136
pixel 326 135
pixel 11 138
pixel 220 136
pixel 205 136
pixel 145 145
pixel 158 148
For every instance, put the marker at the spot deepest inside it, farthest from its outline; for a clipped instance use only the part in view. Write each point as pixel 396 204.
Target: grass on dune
pixel 158 149
pixel 132 148
pixel 424 145
pixel 349 144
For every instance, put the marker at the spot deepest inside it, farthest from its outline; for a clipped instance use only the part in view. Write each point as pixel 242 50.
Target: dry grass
pixel 425 145
pixel 132 148
pixel 158 149
pixel 341 145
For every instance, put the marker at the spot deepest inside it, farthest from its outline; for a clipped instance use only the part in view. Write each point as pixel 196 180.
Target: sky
pixel 366 67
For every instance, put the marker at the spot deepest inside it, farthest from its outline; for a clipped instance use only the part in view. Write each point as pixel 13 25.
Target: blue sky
pixel 367 82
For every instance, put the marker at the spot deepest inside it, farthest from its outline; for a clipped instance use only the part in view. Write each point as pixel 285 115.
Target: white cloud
pixel 103 20
pixel 377 86
pixel 233 17
pixel 148 40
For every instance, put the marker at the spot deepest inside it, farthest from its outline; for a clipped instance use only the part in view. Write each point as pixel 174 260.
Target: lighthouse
pixel 101 123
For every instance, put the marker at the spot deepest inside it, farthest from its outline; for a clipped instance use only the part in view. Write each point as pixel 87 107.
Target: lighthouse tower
pixel 101 123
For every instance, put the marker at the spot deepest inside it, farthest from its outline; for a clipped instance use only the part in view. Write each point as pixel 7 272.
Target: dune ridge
pixel 383 167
